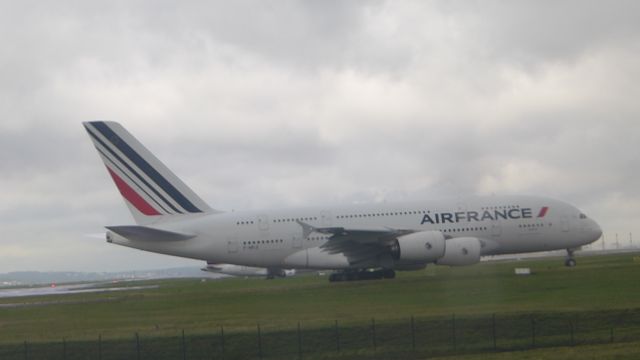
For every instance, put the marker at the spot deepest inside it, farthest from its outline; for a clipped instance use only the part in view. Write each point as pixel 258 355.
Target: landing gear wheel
pixel 389 274
pixel 570 263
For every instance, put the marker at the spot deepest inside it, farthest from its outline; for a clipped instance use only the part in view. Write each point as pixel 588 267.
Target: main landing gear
pixel 570 261
pixel 362 274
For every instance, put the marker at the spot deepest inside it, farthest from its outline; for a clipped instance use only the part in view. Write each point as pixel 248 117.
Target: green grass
pixel 618 351
pixel 599 289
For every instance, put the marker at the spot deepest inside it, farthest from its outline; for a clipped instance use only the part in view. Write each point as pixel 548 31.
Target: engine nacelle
pixel 461 251
pixel 420 247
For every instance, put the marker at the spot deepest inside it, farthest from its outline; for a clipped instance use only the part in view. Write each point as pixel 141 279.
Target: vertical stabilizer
pixel 151 191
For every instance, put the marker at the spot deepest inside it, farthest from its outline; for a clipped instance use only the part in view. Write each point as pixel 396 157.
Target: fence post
pixel 373 333
pixel 222 340
pixel 184 347
pixel 259 343
pixel 137 346
pixel 453 332
pixel 533 332
pixel 611 335
pixel 413 334
pixel 26 351
pixel 337 337
pixel 299 342
pixel 99 346
pixel 571 330
pixel 64 348
pixel 493 331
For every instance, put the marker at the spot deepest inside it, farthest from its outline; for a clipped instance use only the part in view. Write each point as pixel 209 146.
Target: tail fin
pixel 150 190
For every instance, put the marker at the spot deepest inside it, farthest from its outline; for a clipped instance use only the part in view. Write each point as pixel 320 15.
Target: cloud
pixel 259 105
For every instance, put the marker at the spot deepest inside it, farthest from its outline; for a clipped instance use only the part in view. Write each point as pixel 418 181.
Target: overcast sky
pixel 260 104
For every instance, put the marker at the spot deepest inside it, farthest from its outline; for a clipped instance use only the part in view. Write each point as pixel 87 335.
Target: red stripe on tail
pixel 132 196
pixel 543 211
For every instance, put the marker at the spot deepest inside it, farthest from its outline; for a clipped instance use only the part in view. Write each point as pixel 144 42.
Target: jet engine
pixel 420 247
pixel 461 251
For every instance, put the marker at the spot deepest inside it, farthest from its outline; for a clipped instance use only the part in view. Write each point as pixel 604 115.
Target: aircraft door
pixel 325 217
pixel 564 223
pixel 296 241
pixel 232 245
pixel 263 222
pixel 496 229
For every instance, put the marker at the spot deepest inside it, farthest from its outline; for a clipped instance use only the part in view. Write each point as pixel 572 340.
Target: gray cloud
pixel 276 104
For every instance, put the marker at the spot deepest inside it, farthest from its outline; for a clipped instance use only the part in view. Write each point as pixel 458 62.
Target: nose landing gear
pixel 569 260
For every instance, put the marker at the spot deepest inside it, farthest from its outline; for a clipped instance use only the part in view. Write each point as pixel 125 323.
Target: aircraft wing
pixel 357 244
pixel 368 235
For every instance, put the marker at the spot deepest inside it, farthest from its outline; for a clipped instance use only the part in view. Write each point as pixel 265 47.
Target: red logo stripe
pixel 543 211
pixel 132 196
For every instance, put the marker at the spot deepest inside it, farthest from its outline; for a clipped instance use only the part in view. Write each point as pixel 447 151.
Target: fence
pixel 409 338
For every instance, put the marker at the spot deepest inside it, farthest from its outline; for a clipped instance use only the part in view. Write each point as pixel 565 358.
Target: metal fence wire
pixel 414 337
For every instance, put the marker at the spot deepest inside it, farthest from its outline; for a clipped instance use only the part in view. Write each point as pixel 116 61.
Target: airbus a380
pixel 357 241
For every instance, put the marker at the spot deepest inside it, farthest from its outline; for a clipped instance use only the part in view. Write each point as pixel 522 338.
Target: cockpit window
pixel 583 216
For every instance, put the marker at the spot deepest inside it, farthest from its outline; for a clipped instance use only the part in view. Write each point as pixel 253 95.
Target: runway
pixel 62 290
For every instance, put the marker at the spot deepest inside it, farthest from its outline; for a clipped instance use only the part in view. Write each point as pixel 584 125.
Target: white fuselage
pixel 276 238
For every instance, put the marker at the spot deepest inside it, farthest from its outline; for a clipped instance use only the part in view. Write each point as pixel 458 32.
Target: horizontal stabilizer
pixel 144 233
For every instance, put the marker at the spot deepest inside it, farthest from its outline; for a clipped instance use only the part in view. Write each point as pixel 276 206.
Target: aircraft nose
pixel 596 230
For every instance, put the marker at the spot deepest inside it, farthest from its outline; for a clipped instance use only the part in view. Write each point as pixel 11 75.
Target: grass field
pixel 600 292
pixel 624 351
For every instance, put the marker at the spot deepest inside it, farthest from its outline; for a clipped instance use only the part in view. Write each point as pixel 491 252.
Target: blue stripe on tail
pixel 133 171
pixel 143 165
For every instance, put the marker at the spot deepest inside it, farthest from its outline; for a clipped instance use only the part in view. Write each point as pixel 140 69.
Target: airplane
pixel 363 241
pixel 248 271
